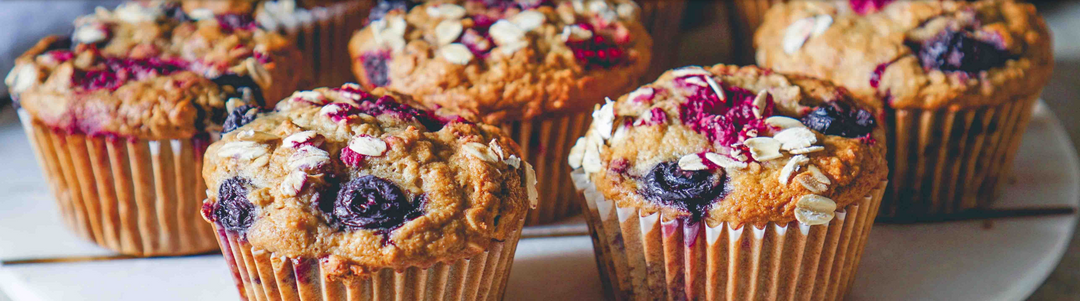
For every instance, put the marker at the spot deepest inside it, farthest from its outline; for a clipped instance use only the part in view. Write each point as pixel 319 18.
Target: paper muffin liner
pixel 661 19
pixel 265 275
pixel 545 143
pixel 748 16
pixel 946 161
pixel 135 197
pixel 643 257
pixel 321 34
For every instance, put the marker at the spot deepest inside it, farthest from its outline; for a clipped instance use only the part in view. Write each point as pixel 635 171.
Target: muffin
pixel 343 193
pixel 120 114
pixel 958 81
pixel 731 183
pixel 318 27
pixel 535 68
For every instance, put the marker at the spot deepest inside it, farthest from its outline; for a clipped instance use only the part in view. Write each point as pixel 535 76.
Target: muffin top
pixel 741 145
pixel 366 182
pixel 270 14
pixel 146 71
pixel 502 61
pixel 913 54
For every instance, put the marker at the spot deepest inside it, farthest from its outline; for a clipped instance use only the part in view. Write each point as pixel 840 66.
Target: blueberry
pixel 375 67
pixel 372 203
pixel 385 6
pixel 233 211
pixel 959 51
pixel 174 11
pixel 690 191
pixel 234 85
pixel 239 117
pixel 840 120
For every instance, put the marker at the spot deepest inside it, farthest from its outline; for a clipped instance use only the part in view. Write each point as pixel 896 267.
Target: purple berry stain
pixel 689 191
pixel 372 203
pixel 375 67
pixel 233 211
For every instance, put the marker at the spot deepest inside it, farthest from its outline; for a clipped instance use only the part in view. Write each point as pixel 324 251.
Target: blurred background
pixel 708 32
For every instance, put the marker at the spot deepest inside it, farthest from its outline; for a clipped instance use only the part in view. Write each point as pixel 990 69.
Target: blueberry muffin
pixel 120 113
pixel 731 182
pixel 316 26
pixel 340 192
pixel 534 67
pixel 958 80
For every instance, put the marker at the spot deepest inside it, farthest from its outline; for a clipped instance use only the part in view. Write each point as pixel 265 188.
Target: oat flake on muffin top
pixel 366 182
pixel 913 54
pixel 733 144
pixel 505 60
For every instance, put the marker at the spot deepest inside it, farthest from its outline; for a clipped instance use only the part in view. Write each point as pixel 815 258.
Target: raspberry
pixel 117 71
pixel 863 7
pixel 597 51
pixel 724 123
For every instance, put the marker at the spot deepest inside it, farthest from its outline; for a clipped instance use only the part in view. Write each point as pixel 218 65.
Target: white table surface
pixel 946 261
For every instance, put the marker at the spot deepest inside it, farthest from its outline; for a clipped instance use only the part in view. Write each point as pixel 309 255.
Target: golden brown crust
pixel 543 78
pixel 471 200
pixel 219 7
pixel 854 46
pixel 247 6
pixel 752 194
pixel 136 73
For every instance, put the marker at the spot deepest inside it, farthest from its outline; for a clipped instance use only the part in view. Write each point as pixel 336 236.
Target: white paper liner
pixel 643 257
pixel 945 161
pixel 322 34
pixel 263 275
pixel 545 143
pixel 129 195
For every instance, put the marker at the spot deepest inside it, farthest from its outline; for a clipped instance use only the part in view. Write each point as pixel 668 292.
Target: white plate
pixel 944 261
